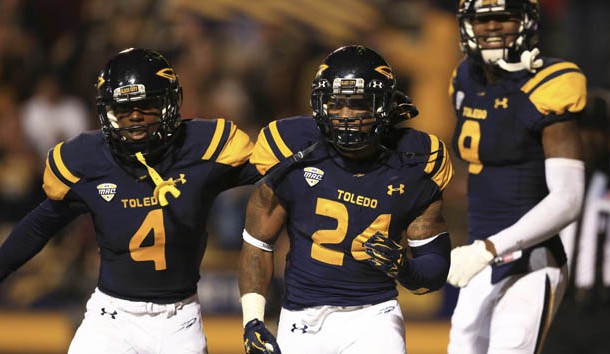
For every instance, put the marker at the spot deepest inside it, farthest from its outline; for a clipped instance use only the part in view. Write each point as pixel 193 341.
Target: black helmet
pixel 527 11
pixel 145 77
pixel 360 78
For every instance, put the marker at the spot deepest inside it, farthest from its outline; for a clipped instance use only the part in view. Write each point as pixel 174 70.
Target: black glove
pixel 386 254
pixel 258 339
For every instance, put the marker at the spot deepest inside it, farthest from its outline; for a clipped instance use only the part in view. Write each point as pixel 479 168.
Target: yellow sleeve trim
pixel 61 167
pixel 567 92
pixel 238 148
pixel 545 73
pixel 53 186
pixel 434 153
pixel 262 155
pixel 278 140
pixel 451 87
pixel 445 172
pixel 220 127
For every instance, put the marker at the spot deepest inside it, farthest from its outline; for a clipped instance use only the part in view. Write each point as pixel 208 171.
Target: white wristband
pixel 256 242
pixel 253 306
pixel 419 243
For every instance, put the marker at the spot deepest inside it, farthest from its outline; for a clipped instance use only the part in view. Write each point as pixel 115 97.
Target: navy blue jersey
pixel 335 205
pixel 498 132
pixel 151 234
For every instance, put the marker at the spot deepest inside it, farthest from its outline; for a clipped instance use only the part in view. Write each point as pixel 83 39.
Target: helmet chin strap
pixel 492 56
pixel 528 62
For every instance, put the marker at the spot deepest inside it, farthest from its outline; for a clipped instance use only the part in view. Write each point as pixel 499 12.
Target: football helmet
pixel 360 79
pixel 144 79
pixel 527 11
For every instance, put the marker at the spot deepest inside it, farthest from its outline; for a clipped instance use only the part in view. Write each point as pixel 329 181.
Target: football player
pixel 516 129
pixel 148 179
pixel 355 189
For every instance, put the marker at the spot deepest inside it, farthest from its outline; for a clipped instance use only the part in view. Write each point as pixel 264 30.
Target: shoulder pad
pixel 457 73
pixel 281 139
pixel 68 162
pixel 433 152
pixel 220 141
pixel 452 83
pixel 558 87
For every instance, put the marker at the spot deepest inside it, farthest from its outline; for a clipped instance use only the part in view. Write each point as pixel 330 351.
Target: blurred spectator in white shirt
pixel 51 115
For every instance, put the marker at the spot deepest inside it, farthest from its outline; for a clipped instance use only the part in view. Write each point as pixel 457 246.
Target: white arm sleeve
pixel 565 179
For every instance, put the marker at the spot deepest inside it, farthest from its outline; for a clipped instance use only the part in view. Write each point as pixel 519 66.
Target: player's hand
pixel 386 254
pixel 258 339
pixel 467 261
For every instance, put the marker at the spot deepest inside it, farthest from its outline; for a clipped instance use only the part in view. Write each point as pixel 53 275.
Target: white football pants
pixel 509 317
pixel 116 326
pixel 376 328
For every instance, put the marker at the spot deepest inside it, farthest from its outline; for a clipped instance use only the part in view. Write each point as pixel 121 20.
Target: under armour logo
pixel 377 84
pixel 387 309
pixel 302 329
pixel 112 314
pixel 501 103
pixel 400 189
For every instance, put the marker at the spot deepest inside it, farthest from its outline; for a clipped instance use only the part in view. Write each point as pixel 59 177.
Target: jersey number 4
pixel 155 252
pixel 338 211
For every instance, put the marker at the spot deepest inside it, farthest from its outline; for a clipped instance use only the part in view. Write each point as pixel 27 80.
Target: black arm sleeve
pixel 33 232
pixel 428 269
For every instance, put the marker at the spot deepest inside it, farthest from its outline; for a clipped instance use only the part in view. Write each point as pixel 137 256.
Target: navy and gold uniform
pixel 150 221
pixel 335 204
pixel 498 133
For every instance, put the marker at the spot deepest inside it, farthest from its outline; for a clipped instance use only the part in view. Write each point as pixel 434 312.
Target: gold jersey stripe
pixel 54 188
pixel 445 172
pixel 61 167
pixel 434 153
pixel 545 73
pixel 278 140
pixel 567 92
pixel 451 87
pixel 237 150
pixel 220 127
pixel 262 154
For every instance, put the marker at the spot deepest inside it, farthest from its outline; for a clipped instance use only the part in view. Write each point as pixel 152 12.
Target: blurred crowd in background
pixel 247 61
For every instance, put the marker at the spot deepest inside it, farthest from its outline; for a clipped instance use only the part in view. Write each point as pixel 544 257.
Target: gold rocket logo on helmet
pixel 167 73
pixel 321 69
pixel 385 71
pixel 100 81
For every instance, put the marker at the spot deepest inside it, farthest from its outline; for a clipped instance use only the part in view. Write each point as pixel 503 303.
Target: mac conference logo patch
pixel 106 191
pixel 312 175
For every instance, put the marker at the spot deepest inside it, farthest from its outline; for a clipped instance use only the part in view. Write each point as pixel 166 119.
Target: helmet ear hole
pixel 133 76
